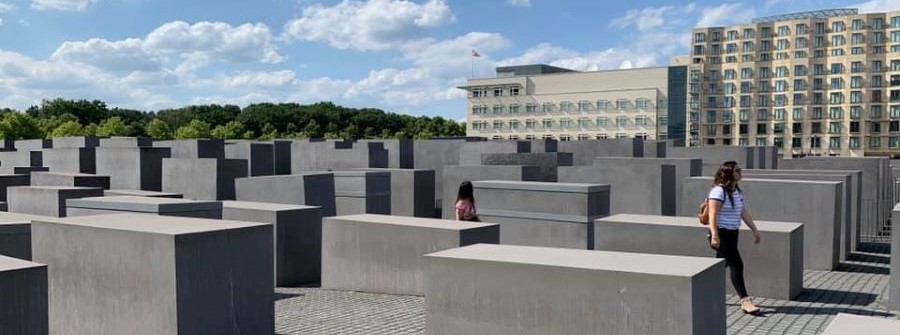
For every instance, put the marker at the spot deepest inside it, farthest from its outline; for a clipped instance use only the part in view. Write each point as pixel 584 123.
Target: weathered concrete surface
pixel 384 254
pixel 848 324
pixel 336 155
pixel 75 142
pixel 434 155
pixel 454 175
pixel 46 200
pixel 360 191
pixel 202 178
pixel 505 290
pixel 584 152
pixel 298 237
pixel 773 269
pixel 196 148
pixel 132 167
pixel 260 156
pixel 126 142
pixel 82 160
pixel 309 188
pixel 15 235
pixel 282 156
pixel 8 180
pixel 547 163
pixel 156 275
pixel 23 297
pixel 69 179
pixel 412 192
pixel 141 193
pixel 147 205
pixel 400 152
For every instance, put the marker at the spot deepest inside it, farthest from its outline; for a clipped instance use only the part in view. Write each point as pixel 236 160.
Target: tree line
pixel 263 121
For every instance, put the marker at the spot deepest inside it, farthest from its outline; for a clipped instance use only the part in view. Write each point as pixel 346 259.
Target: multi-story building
pixel 814 83
pixel 542 102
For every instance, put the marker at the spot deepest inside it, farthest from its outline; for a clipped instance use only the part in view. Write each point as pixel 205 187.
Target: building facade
pixel 814 83
pixel 546 102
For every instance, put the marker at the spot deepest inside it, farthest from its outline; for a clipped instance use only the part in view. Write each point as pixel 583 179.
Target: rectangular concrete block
pixel 385 254
pixel 202 178
pixel 137 168
pixel 547 163
pixel 412 192
pixel 83 160
pixel 894 284
pixel 298 237
pixel 23 297
pixel 194 148
pixel 15 236
pixel 46 200
pixel 542 214
pixel 584 152
pixel 640 185
pixel 69 179
pixel 453 175
pixel 209 209
pixel 359 192
pixel 470 152
pixel 309 188
pixel 10 159
pixel 147 274
pixel 141 193
pixel 336 155
pixel 35 144
pixel 75 142
pixel 773 269
pixel 434 155
pixel 507 290
pixel 848 324
pixel 8 180
pixel 815 204
pixel 282 156
pixel 126 142
pixel 260 156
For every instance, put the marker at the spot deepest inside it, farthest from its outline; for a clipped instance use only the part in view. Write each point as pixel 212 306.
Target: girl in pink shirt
pixel 465 203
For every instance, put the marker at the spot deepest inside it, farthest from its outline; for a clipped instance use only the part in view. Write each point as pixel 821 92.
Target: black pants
pixel 728 249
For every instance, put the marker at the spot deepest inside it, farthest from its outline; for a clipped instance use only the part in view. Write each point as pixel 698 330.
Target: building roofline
pixel 816 14
pixel 577 72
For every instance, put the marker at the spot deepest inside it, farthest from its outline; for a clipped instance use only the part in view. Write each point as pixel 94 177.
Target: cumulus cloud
pixel 370 25
pixel 877 6
pixel 725 14
pixel 644 19
pixel 6 8
pixel 63 5
pixel 519 3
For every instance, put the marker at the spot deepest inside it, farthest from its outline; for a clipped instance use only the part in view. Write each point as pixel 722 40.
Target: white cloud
pixel 6 8
pixel 63 5
pixel 876 6
pixel 119 56
pixel 370 25
pixel 644 19
pixel 725 14
pixel 519 3
pixel 612 58
pixel 255 79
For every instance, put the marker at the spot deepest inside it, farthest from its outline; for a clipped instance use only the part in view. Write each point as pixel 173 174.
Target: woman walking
pixel 465 203
pixel 726 211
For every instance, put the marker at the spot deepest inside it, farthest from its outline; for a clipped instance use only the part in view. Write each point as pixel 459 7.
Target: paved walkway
pixel 858 287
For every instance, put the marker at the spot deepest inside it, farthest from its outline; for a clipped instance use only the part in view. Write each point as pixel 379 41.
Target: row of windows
pixel 498 91
pixel 782 85
pixel 799 43
pixel 799 54
pixel 813 142
pixel 580 137
pixel 563 106
pixel 797 99
pixel 798 128
pixel 765 72
pixel 780 114
pixel 621 121
pixel 802 29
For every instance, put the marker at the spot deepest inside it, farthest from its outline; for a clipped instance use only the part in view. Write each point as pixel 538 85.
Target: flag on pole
pixel 475 53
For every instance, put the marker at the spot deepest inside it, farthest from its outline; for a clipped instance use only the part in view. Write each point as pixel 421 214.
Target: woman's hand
pixel 714 242
pixel 756 238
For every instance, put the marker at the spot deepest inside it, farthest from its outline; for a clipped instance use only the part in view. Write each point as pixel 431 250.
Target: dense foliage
pixel 265 121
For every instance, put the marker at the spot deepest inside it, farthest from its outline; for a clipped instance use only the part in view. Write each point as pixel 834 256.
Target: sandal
pixel 748 308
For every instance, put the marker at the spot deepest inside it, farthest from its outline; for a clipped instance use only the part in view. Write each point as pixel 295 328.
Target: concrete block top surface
pixel 293 175
pixel 801 171
pixel 152 224
pixel 412 221
pixel 7 218
pixel 665 265
pixel 848 324
pixel 356 173
pixel 540 186
pixel 66 174
pixel 785 181
pixel 57 188
pixel 390 170
pixel 141 193
pixel 691 221
pixel 143 204
pixel 9 264
pixel 267 206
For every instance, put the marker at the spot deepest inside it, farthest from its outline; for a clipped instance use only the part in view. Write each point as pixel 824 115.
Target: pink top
pixel 468 209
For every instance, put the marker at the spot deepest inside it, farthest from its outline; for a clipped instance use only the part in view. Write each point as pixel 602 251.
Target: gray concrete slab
pixel 194 148
pixel 502 289
pixel 35 144
pixel 156 275
pixel 434 155
pixel 470 152
pixel 773 269
pixel 132 167
pixel 542 214
pixel 454 175
pixel 309 188
pixel 336 155
pixel 400 152
pixel 141 193
pixel 260 156
pixel 202 178
pixel 584 152
pixel 360 191
pixel 816 204
pixel 7 180
pixel 713 157
pixel 126 142
pixel 82 160
pixel 23 297
pixel 75 142
pixel 848 324
pixel 547 163
pixel 298 237
pixel 70 179
pixel 282 156
pixel 384 254
pixel 15 236
pixel 209 209
pixel 46 200
pixel 412 192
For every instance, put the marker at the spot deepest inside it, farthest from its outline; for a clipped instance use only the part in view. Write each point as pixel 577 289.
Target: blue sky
pixel 401 56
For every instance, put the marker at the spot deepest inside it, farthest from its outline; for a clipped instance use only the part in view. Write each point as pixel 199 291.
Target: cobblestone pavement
pixel 858 287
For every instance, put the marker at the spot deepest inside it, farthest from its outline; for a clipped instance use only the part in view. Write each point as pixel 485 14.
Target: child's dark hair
pixel 466 191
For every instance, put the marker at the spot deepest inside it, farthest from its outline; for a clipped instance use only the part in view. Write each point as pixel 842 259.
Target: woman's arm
pixel 745 215
pixel 459 214
pixel 713 206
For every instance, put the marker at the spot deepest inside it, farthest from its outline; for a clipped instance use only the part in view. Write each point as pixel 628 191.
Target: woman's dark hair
pixel 466 191
pixel 725 179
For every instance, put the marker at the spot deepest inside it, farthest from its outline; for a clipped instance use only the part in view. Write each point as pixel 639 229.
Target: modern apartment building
pixel 813 83
pixel 543 102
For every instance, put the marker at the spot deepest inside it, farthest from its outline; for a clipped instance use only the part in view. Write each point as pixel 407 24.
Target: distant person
pixel 465 203
pixel 726 210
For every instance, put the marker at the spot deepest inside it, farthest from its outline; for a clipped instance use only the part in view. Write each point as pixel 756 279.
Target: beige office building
pixel 814 83
pixel 543 102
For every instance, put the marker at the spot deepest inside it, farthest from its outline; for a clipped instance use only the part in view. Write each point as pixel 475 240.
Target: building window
pixel 498 109
pixel 642 103
pixel 513 109
pixel 514 91
pixel 834 128
pixel 530 108
pixel 513 124
pixel 584 123
pixel 498 124
pixel 529 124
pixel 744 115
pixel 855 112
pixel 895 112
pixel 834 142
pixel 498 91
pixel 874 142
pixel 602 136
pixel 761 128
pixel 815 142
pixel 547 107
pixel 547 123
pixel 854 142
pixel 835 113
pixel 797 114
pixel 762 114
pixel 895 21
pixel 762 141
pixel 640 121
pixel 602 104
pixel 875 127
pixel 622 104
pixel 565 106
pixel 621 121
pixel 893 141
pixel 584 106
pixel 779 114
pixel 875 112
pixel 602 121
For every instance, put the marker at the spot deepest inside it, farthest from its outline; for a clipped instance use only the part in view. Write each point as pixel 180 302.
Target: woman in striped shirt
pixel 726 211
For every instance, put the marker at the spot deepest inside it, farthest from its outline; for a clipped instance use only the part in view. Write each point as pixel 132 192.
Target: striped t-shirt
pixel 728 217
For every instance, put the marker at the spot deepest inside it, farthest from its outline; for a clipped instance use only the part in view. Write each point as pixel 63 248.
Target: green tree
pixel 68 128
pixel 194 129
pixel 113 126
pixel 230 130
pixel 269 132
pixel 18 126
pixel 159 130
pixel 90 130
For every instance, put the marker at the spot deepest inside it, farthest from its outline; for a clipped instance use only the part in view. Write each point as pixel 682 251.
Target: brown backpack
pixel 703 216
